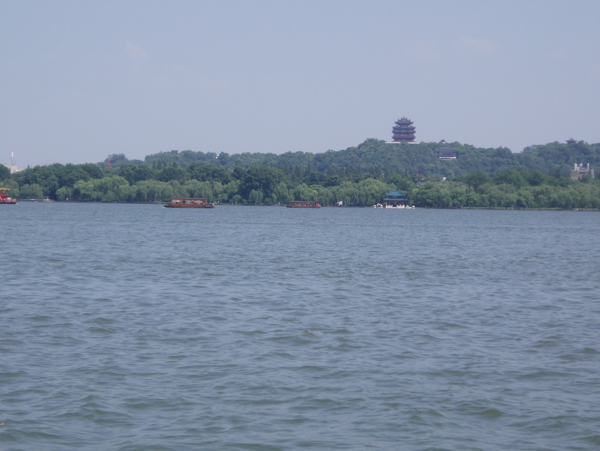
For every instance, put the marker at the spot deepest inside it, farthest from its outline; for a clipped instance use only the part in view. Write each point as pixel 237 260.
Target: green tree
pixel 33 191
pixel 172 173
pixel 477 178
pixel 64 193
pixel 260 178
pixel 205 173
pixel 281 194
pixel 401 182
pixel 108 189
pixel 4 172
pixel 510 177
pixel 136 173
pixel 153 190
pixel 256 196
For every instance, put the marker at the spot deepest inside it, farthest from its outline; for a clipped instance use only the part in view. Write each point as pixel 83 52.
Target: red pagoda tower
pixel 404 130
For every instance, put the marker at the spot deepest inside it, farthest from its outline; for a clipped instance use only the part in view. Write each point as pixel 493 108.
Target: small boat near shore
pixel 188 202
pixel 400 207
pixel 5 199
pixel 304 204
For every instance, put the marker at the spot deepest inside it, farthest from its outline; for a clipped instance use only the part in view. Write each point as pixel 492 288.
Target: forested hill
pixel 492 178
pixel 378 156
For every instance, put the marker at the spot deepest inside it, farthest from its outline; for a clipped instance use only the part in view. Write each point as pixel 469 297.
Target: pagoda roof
pixel 395 195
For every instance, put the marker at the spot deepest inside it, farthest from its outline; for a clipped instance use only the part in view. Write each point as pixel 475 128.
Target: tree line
pixel 375 155
pixel 358 176
pixel 511 188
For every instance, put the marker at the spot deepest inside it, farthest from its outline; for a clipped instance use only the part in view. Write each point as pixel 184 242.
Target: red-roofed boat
pixel 189 202
pixel 5 199
pixel 304 204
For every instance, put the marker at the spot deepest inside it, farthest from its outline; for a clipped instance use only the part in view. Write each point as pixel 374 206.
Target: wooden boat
pixel 4 197
pixel 188 202
pixel 304 204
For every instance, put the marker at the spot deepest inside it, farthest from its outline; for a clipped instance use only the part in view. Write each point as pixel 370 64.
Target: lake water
pixel 137 327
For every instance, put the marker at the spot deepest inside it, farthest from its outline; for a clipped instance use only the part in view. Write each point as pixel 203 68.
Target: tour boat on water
pixel 304 204
pixel 394 206
pixel 188 202
pixel 4 197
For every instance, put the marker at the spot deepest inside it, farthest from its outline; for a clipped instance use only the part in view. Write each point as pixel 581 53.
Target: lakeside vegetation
pixel 538 177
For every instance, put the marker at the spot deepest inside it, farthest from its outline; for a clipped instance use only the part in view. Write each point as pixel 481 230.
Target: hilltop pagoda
pixel 403 131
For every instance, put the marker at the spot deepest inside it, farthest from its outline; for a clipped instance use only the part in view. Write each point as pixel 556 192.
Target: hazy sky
pixel 83 79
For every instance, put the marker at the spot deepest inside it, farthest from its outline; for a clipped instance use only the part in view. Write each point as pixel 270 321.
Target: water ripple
pixel 129 327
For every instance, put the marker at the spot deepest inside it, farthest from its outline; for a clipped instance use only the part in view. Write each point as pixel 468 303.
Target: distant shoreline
pixel 46 201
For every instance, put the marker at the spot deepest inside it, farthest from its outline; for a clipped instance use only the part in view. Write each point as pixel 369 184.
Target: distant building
pixel 13 168
pixel 403 131
pixel 571 141
pixel 445 153
pixel 579 171
pixel 174 151
pixel 395 199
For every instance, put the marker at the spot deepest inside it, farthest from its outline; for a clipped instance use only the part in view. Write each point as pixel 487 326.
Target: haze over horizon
pixel 82 80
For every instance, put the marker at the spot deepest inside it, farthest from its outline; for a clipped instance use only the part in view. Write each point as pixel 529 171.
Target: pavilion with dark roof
pixel 395 199
pixel 445 153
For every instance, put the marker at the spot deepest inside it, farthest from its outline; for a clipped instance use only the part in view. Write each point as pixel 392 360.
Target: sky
pixel 80 80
